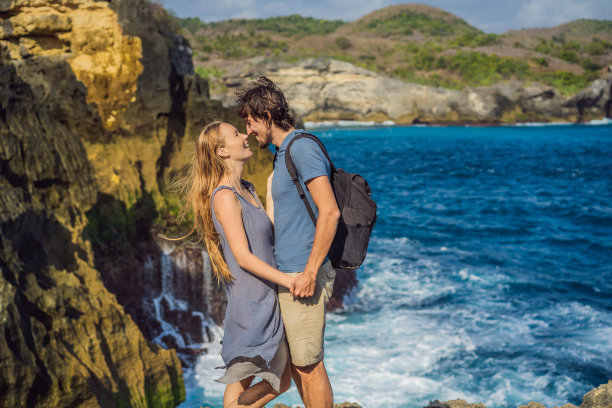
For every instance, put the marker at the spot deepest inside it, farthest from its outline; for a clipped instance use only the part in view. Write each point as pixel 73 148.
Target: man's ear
pixel 268 119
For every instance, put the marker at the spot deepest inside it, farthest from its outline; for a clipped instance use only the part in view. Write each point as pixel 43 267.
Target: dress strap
pixel 224 187
pixel 250 188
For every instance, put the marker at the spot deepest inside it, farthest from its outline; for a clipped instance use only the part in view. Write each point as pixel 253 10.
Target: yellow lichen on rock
pixel 89 35
pixel 106 61
pixel 124 168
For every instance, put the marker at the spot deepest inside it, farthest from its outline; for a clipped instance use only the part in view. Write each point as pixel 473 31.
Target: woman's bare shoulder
pixel 225 197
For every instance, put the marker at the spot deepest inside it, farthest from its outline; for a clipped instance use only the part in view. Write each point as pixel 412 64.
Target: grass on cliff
pixel 293 25
pixel 113 223
pixel 116 227
pixel 575 52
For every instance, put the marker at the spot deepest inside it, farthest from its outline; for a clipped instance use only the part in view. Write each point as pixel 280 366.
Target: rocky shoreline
pixel 600 397
pixel 330 90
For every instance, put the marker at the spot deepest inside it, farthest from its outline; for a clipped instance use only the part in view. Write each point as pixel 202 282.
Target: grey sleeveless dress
pixel 254 336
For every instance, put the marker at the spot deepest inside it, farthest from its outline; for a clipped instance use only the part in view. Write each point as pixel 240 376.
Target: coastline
pixel 599 397
pixel 389 123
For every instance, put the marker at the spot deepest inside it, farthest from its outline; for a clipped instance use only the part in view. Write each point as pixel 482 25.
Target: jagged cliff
pixel 65 340
pixel 99 108
pixel 327 89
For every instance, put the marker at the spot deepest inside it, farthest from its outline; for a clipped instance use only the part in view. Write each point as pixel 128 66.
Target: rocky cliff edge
pixel 99 108
pixel 329 90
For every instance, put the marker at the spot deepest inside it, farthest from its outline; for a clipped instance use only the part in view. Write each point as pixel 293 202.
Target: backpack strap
pixel 294 174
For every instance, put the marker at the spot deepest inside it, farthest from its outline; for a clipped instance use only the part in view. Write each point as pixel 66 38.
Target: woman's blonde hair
pixel 205 173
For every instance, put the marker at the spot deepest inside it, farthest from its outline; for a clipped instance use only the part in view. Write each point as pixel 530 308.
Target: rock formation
pixel 65 340
pixel 600 397
pixel 328 90
pixel 99 108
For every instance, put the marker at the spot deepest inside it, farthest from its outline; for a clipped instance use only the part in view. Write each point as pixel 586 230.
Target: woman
pixel 238 234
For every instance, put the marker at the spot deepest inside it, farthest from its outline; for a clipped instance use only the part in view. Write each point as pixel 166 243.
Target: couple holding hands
pixel 273 261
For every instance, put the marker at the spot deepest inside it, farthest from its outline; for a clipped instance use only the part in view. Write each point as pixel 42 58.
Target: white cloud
pixel 488 15
pixel 546 13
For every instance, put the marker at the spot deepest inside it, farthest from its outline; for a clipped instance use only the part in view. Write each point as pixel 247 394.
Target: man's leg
pixel 314 386
pixel 304 320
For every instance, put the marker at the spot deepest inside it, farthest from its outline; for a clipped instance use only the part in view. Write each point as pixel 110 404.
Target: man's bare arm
pixel 269 200
pixel 323 196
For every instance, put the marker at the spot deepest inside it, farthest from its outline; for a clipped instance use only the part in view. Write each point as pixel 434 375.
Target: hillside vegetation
pixel 416 43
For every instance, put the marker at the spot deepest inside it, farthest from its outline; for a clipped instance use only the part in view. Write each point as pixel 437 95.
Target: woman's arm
pixel 229 213
pixel 269 200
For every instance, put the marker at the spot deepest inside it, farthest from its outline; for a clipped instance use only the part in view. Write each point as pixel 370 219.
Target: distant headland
pixel 412 63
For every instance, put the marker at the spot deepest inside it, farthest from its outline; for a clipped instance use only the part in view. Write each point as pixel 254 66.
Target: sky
pixel 491 16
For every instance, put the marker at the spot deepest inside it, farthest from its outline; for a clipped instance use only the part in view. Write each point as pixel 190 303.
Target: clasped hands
pixel 303 285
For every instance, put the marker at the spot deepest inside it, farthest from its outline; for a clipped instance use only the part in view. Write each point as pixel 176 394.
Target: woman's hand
pixel 292 282
pixel 304 285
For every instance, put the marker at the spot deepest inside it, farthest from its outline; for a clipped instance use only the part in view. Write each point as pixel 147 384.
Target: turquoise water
pixel 489 274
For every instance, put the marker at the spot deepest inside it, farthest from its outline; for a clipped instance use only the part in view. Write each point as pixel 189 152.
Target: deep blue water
pixel 489 275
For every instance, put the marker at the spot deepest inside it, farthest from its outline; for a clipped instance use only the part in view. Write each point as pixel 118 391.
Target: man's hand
pixel 304 285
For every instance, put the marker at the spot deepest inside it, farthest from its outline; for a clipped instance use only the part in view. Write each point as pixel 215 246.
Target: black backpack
pixel 357 210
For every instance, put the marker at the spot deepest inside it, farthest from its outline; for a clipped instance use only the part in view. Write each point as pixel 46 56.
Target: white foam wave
pixel 602 121
pixel 466 275
pixel 346 123
pixel 202 390
pixel 594 122
pixel 394 347
pixel 539 124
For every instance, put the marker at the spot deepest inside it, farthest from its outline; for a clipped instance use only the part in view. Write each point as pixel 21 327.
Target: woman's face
pixel 236 145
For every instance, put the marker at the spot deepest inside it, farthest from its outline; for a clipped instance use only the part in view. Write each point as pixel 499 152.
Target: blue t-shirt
pixel 293 228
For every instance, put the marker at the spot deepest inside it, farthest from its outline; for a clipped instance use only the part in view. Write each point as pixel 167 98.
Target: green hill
pixel 293 25
pixel 405 20
pixel 414 42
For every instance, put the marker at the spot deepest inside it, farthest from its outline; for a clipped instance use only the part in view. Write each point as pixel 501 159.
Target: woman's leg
pixel 232 391
pixel 261 393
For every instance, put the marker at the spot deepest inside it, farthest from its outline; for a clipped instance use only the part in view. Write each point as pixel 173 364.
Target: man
pixel 299 245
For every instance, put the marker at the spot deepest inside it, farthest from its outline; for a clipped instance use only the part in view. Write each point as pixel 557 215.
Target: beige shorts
pixel 304 318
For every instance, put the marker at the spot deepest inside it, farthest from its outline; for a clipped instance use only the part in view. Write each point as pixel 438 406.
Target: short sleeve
pixel 309 159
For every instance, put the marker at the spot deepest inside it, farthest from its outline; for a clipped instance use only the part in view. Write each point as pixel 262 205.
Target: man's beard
pixel 267 140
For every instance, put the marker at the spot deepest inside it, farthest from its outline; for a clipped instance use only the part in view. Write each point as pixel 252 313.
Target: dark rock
pixel 344 284
pixel 61 329
pixel 437 404
pixel 96 109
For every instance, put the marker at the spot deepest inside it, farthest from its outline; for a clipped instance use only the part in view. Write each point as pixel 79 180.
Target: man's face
pixel 259 128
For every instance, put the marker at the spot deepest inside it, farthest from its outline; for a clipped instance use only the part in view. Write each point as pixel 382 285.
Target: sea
pixel 489 272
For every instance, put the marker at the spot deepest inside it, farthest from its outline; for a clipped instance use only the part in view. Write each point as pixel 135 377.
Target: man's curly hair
pixel 262 99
